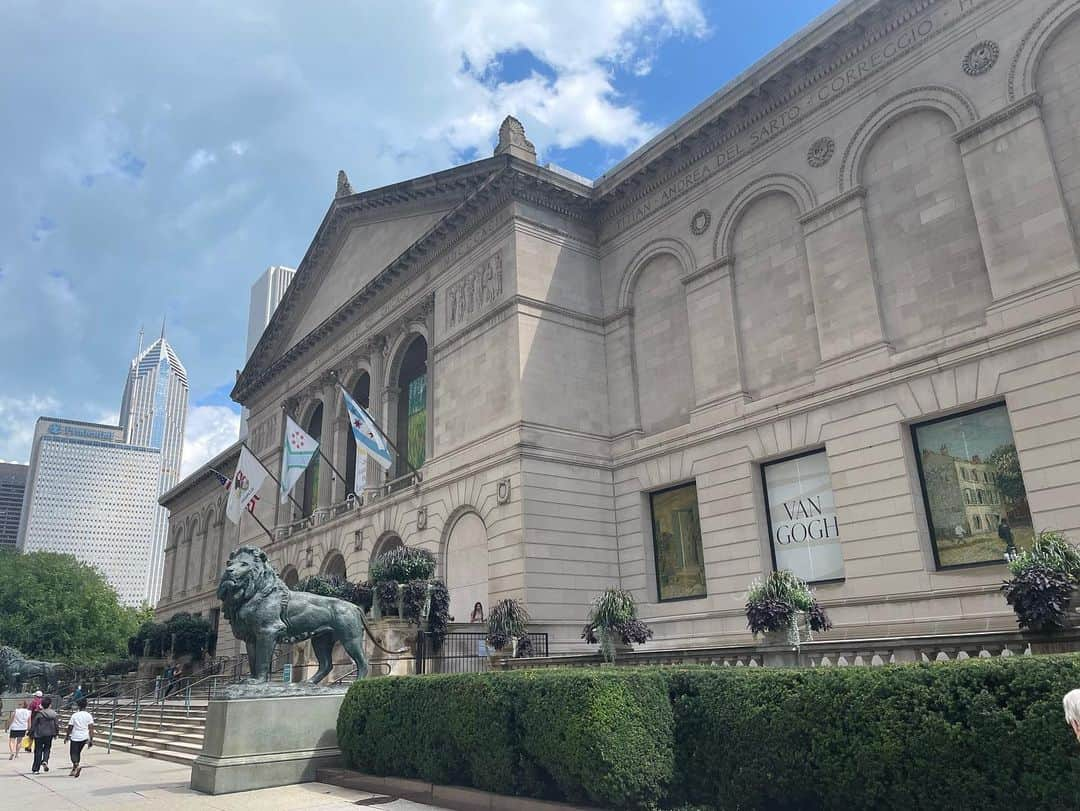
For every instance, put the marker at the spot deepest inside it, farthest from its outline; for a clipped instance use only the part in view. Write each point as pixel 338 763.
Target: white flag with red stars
pixel 299 449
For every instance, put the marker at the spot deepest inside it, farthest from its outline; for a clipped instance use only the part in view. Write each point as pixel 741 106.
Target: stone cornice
pixel 226 457
pixel 811 71
pixel 992 120
pixel 511 179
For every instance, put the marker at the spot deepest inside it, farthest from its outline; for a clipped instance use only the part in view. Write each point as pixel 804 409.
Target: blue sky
pixel 158 158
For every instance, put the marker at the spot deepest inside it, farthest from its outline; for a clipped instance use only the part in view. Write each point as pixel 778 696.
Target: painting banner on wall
pixel 973 490
pixel 804 529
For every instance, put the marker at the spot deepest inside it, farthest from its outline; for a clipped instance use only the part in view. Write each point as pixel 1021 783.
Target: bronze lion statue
pixel 15 669
pixel 263 611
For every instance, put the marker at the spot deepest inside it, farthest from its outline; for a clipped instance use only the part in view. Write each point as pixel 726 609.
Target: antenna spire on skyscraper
pixel 139 352
pixel 163 328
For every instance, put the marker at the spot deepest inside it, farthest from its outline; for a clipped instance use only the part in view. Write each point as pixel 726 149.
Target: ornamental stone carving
pixel 820 152
pixel 980 58
pixel 476 291
pixel 503 491
pixel 699 223
pixel 344 187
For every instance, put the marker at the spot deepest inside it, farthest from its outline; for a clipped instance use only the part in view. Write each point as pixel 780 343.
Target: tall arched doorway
pixel 311 476
pixel 361 392
pixel 291 577
pixel 467 566
pixel 334 565
pixel 412 406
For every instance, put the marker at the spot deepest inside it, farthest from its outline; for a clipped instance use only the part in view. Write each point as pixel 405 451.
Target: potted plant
pixel 508 620
pixel 779 605
pixel 1044 580
pixel 613 623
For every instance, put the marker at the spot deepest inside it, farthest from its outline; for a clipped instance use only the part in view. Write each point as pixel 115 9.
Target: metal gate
pixel 464 652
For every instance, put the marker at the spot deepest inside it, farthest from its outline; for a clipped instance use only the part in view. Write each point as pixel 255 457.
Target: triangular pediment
pixel 367 247
pixel 359 237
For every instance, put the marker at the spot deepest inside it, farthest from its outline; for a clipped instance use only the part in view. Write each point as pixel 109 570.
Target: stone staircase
pixel 171 732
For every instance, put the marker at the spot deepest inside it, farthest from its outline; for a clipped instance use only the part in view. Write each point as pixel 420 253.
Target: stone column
pixel 841 267
pixel 326 442
pixel 714 335
pixel 167 574
pixel 1023 222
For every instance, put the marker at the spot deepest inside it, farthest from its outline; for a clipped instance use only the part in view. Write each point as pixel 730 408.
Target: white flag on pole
pixel 296 454
pixel 244 490
pixel 369 437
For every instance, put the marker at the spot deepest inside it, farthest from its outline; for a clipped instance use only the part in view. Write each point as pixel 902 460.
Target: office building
pixel 12 487
pixel 92 495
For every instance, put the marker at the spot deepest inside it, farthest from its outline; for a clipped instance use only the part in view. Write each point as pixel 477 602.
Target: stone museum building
pixel 828 321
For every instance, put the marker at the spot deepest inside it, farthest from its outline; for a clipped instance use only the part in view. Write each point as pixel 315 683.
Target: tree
pixel 1010 480
pixel 55 608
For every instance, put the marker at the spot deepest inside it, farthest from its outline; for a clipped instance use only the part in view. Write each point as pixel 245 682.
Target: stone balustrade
pixel 833 653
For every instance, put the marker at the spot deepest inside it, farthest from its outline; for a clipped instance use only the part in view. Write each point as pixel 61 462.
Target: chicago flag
pixel 299 449
pixel 369 439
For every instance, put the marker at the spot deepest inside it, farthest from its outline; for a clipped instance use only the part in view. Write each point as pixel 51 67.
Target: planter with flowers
pixel 613 623
pixel 508 622
pixel 783 608
pixel 1044 583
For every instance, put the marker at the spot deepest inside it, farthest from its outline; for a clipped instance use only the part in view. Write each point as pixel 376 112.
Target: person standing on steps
pixel 17 726
pixel 44 727
pixel 80 731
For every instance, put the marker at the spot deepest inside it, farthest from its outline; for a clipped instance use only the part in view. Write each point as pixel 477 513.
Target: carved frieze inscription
pixel 474 292
pixel 754 130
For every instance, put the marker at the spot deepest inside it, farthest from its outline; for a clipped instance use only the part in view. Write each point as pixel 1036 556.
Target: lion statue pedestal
pixel 262 734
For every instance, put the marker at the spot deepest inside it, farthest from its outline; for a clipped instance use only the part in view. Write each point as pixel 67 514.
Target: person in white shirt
pixel 80 731
pixel 17 726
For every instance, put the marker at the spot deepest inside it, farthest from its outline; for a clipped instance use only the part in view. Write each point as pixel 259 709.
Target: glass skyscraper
pixel 153 414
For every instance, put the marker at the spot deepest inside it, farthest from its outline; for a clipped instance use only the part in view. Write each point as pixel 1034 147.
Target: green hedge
pixel 581 736
pixel 986 734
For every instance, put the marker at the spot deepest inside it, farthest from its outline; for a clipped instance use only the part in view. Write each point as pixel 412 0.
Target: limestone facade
pixel 874 225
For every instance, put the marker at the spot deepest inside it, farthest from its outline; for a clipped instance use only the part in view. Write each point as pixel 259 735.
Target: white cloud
pixel 209 431
pixel 130 157
pixel 199 160
pixel 17 419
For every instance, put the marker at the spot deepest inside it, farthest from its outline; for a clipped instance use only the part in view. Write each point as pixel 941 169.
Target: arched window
pixel 385 545
pixel 662 345
pixel 930 272
pixel 412 406
pixel 311 476
pixel 361 392
pixel 290 576
pixel 334 565
pixel 778 338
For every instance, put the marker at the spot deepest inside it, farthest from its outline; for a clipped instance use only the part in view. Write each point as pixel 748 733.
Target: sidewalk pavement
pixel 130 783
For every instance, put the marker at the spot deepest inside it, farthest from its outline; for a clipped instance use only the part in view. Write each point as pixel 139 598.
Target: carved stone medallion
pixel 980 58
pixel 503 492
pixel 699 223
pixel 820 151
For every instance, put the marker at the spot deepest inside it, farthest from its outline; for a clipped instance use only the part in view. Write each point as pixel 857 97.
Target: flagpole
pixel 393 447
pixel 271 475
pixel 269 534
pixel 331 464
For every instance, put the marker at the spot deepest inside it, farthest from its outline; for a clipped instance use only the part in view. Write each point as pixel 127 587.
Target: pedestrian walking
pixel 44 727
pixel 34 707
pixel 1072 711
pixel 18 724
pixel 1006 534
pixel 168 678
pixel 80 731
